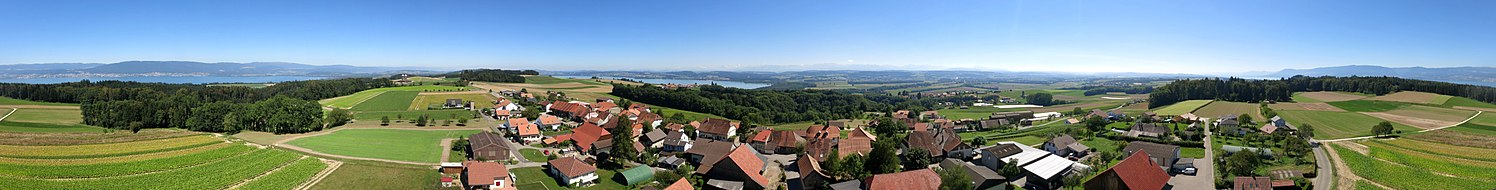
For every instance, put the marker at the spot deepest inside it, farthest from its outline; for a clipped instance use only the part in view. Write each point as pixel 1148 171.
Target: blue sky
pixel 1064 35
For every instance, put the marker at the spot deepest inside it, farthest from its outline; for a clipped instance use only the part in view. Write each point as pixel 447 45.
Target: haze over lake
pixel 734 84
pixel 166 79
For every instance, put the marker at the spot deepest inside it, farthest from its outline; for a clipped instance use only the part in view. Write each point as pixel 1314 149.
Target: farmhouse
pixel 488 146
pixel 937 142
pixel 568 110
pixel 743 165
pixel 1276 125
pixel 1163 155
pixel 588 134
pixel 1013 116
pixel 526 132
pixel 1066 146
pixel 859 142
pixel 1040 167
pixel 1134 172
pixel 550 122
pixel 487 175
pixel 506 105
pixel 654 139
pixel 810 172
pixel 676 141
pixel 717 129
pixel 572 171
pixel 922 179
pixel 454 103
pixel 1148 130
pixel 707 151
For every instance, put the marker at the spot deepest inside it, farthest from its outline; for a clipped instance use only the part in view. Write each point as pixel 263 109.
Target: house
pixel 811 173
pixel 862 133
pixel 572 171
pixel 669 162
pixel 922 179
pixel 607 107
pixel 452 168
pixel 822 132
pixel 676 141
pixel 992 123
pixel 1134 172
pixel 506 105
pixel 487 175
pixel 676 127
pixel 568 110
pixel 708 151
pixel 454 103
pixel 1260 183
pixel 929 115
pixel 1187 117
pixel 527 132
pixel 654 139
pixel 717 129
pixel 760 140
pixel 1041 168
pixel 840 124
pixel 901 114
pixel 488 146
pixel 402 82
pixel 1162 154
pixel 587 135
pixel 653 120
pixel 992 157
pixel 1099 113
pixel 1066 146
pixel 1072 121
pixel 785 142
pixel 1148 130
pixel 848 185
pixel 937 142
pixel 1228 124
pixel 820 148
pixel 858 142
pixel 548 121
pixel 981 177
pixel 502 114
pixel 920 127
pixel 681 184
pixel 744 165
pixel 1277 125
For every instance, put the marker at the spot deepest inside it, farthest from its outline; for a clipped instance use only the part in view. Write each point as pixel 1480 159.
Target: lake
pixel 734 84
pixel 165 79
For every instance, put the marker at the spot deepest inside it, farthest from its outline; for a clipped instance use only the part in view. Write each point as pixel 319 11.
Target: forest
pixel 492 75
pixel 1243 90
pixel 755 106
pixel 288 107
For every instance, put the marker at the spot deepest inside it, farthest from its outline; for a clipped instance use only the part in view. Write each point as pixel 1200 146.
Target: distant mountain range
pixel 1485 76
pixel 188 68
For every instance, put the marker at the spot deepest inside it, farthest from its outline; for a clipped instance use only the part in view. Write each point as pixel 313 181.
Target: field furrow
pixel 107 150
pixel 209 176
pixel 123 168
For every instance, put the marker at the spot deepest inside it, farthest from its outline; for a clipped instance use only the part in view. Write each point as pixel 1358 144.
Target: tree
pixel 1383 128
pixel 384 121
pixel 678 118
pixel 421 120
pixel 1077 111
pixel 884 158
pixel 916 158
pixel 954 179
pixel 832 164
pixel 462 121
pixel 1073 180
pixel 979 141
pixel 1245 119
pixel 338 117
pixel 853 167
pixel 531 112
pixel 1043 99
pixel 1095 123
pixel 623 142
pixel 1295 146
pixel 1242 163
pixel 1010 169
pixel 1306 131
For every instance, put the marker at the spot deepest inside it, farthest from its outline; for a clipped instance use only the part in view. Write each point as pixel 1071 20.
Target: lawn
pixel 393 144
pixel 533 155
pixel 353 99
pixel 355 173
pixel 1333 125
pixel 13 101
pixel 1100 144
pixel 1022 139
pixel 1191 152
pixel 537 175
pixel 388 101
pixel 1219 108
pixel 974 112
pixel 1182 108
pixel 423 102
pixel 1368 105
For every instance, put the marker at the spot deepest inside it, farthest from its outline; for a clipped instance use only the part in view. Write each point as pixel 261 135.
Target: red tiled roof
pixel 649 117
pixel 923 179
pixel 860 132
pixel 762 136
pixel 681 184
pixel 588 134
pixel 1252 183
pixel 1139 172
pixel 808 165
pixel 747 160
pixel 501 112
pixel 524 126
pixel 604 106
pixel 716 126
pixel 675 126
pixel 818 131
pixel 571 166
pixel 576 110
pixel 547 119
pixel 854 145
pixel 483 173
pixel 921 126
pixel 786 139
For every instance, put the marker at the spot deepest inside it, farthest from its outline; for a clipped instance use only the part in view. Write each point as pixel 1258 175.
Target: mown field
pixel 1413 97
pixel 537 177
pixel 388 101
pixel 974 112
pixel 1219 108
pixel 350 100
pixel 1182 108
pixel 1333 125
pixel 13 101
pixel 188 162
pixel 383 175
pixel 393 144
pixel 423 102
pixel 45 121
pixel 1325 96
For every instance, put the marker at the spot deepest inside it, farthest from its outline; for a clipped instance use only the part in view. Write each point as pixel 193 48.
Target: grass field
pixel 1368 105
pixel 974 112
pixel 554 80
pixel 533 155
pixel 1333 125
pixel 1325 96
pixel 423 102
pixel 350 100
pixel 536 176
pixel 13 101
pixel 388 101
pixel 1425 116
pixel 375 116
pixel 1182 108
pixel 1219 108
pixel 1413 97
pixel 46 121
pixel 393 144
pixel 1467 102
pixel 355 173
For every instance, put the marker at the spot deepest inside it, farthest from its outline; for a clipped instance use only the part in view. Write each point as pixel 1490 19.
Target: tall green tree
pixel 884 158
pixel 1382 129
pixel 623 142
pixel 954 179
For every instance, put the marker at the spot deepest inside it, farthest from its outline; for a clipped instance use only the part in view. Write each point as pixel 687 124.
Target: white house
pixel 573 171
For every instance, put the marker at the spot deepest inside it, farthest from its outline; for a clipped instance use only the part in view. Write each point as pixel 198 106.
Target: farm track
pixel 282 144
pixel 1477 114
pixel 332 165
pixel 1347 178
pixel 277 168
pixel 7 115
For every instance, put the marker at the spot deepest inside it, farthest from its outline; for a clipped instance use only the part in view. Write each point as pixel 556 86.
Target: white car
pixel 1190 171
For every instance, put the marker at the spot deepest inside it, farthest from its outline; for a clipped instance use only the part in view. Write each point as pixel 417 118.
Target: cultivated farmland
pixel 1332 125
pixel 1424 116
pixel 1304 106
pixel 1219 108
pixel 424 101
pixel 1368 105
pixel 393 144
pixel 388 101
pixel 1311 97
pixel 1413 97
pixel 1182 108
pixel 143 165
pixel 106 150
pixel 45 121
pixel 1402 167
pixel 354 99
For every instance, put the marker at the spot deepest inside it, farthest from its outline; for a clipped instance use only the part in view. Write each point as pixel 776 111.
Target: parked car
pixel 1190 171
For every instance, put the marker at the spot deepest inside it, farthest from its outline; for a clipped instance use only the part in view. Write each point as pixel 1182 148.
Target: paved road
pixel 1326 173
pixel 1204 177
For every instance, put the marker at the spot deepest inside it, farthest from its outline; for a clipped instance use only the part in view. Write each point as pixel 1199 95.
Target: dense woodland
pixel 755 106
pixel 492 75
pixel 288 107
pixel 1243 90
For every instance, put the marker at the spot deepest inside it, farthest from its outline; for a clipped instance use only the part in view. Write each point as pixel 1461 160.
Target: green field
pixel 554 80
pixel 1182 108
pixel 384 175
pixel 122 168
pixel 1191 152
pixel 350 100
pixel 13 101
pixel 1368 105
pixel 1467 102
pixel 1219 108
pixel 1419 175
pixel 375 116
pixel 974 112
pixel 533 155
pixel 537 177
pixel 423 102
pixel 393 144
pixel 388 101
pixel 1333 125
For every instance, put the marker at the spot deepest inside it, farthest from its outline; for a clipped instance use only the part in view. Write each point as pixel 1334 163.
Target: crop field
pixel 1219 108
pixel 106 150
pixel 1413 97
pixel 1325 96
pixel 1459 137
pixel 375 116
pixel 1469 104
pixel 1412 170
pixel 1182 108
pixel 288 177
pixel 351 100
pixel 393 144
pixel 1368 105
pixel 388 101
pixel 974 112
pixel 1424 116
pixel 45 120
pixel 1304 106
pixel 480 100
pixel 13 101
pixel 1464 152
pixel 53 139
pixel 1332 125
pixel 215 166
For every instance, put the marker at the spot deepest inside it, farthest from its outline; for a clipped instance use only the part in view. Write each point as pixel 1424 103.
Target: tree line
pixel 288 107
pixel 492 75
pixel 1243 90
pixel 755 106
pixel 1096 90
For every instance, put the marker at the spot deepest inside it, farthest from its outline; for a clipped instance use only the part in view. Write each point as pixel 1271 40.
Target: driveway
pixel 1204 177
